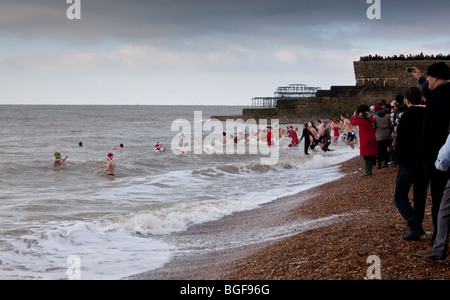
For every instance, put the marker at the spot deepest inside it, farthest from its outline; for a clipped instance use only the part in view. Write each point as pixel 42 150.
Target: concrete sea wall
pixel 375 81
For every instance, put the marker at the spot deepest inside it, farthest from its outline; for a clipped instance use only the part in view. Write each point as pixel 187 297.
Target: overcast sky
pixel 200 51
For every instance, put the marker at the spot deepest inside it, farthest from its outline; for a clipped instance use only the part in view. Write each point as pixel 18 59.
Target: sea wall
pixel 375 81
pixel 388 73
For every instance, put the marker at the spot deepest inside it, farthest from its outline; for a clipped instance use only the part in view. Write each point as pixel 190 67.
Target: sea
pixel 69 222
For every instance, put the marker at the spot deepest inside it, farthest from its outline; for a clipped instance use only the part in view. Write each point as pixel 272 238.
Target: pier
pixel 292 91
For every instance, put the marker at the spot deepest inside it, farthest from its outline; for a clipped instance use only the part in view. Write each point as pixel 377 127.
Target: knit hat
pixel 377 107
pixel 439 70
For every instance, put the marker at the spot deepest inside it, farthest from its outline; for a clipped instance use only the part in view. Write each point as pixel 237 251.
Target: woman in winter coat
pixel 368 142
pixel 383 131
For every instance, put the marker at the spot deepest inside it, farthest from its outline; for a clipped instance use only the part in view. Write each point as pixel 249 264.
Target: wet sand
pixel 326 233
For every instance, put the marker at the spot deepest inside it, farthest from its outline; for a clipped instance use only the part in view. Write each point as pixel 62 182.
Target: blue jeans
pixel 419 181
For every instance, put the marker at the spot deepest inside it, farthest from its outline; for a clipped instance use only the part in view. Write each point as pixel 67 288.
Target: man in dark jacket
pixel 435 130
pixel 411 172
pixel 307 135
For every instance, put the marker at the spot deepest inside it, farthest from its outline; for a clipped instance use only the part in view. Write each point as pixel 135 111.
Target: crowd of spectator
pixel 420 56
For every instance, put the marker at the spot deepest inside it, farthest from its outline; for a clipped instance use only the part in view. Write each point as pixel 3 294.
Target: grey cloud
pixel 283 21
pixel 172 18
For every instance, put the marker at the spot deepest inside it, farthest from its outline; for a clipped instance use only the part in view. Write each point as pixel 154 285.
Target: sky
pixel 200 52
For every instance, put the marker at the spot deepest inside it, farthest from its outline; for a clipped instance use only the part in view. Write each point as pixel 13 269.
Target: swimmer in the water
pixel 110 166
pixel 58 160
pixel 158 148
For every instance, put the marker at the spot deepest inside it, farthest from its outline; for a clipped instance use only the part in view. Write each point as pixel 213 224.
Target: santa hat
pixel 377 107
pixel 110 155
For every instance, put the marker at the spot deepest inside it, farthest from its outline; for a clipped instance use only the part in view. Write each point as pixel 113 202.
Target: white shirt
pixel 443 159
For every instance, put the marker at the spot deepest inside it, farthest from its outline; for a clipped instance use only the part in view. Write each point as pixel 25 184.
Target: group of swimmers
pixel 110 166
pixel 319 133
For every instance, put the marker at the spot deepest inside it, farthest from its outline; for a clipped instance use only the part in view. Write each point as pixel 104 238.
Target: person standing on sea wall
pixel 368 141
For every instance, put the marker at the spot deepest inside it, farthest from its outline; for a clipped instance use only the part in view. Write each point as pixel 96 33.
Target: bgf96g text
pixel 246 289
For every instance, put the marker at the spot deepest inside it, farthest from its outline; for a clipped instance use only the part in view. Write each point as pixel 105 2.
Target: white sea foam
pixel 121 226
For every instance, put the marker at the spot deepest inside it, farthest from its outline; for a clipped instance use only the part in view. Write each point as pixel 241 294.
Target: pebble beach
pixel 340 250
pixel 363 222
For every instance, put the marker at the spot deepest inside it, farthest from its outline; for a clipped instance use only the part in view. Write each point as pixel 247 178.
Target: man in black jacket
pixel 435 130
pixel 411 172
pixel 307 135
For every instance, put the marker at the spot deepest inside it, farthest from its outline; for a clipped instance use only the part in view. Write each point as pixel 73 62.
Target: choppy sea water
pixel 57 220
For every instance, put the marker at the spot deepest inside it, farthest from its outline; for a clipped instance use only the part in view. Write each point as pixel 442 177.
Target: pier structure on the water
pixel 377 78
pixel 292 91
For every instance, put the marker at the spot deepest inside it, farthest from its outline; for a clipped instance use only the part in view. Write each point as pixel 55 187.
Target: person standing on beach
pixel 383 132
pixel 440 245
pixel 58 160
pixel 110 166
pixel 411 171
pixel 435 130
pixel 368 141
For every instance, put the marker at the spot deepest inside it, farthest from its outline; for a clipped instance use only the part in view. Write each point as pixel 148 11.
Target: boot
pixel 379 165
pixel 437 255
pixel 367 167
pixel 370 164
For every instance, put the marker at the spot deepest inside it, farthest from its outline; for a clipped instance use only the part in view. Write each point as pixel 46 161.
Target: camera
pixel 410 70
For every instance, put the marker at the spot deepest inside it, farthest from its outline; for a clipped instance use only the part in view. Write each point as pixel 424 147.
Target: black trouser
pixel 407 178
pixel 383 154
pixel 326 144
pixel 307 144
